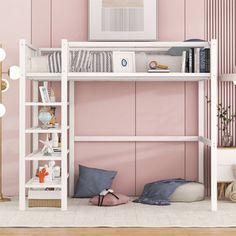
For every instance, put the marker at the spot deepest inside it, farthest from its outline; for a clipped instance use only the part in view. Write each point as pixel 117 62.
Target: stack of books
pixel 196 60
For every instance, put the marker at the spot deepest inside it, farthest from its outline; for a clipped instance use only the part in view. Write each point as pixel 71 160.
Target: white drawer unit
pixel 226 160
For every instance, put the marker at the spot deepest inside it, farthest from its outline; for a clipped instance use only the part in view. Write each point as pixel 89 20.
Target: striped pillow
pixel 54 62
pixel 80 61
pixel 101 61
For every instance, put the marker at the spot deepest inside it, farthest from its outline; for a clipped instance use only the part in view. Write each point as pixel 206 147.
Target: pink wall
pixel 110 108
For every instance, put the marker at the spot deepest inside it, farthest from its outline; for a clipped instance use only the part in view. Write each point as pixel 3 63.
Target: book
pixel 190 60
pixel 183 67
pixel 202 60
pixel 196 60
pixel 158 71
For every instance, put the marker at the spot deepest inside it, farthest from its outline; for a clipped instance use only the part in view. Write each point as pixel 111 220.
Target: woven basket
pixel 44 203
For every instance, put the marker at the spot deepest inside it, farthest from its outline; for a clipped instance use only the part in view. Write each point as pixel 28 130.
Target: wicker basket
pixel 44 203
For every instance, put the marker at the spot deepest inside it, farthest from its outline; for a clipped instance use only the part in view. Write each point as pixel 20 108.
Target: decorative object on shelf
pixel 42 174
pixel 230 192
pixel 53 119
pixel 47 149
pixel 4 87
pixel 49 168
pixel 122 20
pixel 52 96
pixel 55 140
pixel 44 116
pixel 225 119
pixel 154 67
pixel 124 62
pixel 56 172
pixel 44 94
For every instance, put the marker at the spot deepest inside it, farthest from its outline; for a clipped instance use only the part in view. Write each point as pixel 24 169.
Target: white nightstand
pixel 226 158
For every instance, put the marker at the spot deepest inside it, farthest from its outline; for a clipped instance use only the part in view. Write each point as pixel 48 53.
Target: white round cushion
pixel 189 192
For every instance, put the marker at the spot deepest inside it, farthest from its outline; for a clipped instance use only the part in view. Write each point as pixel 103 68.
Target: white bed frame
pixel 68 79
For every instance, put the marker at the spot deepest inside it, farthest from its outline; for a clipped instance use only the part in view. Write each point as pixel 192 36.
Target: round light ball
pixel 4 85
pixel 2 54
pixel 2 110
pixel 14 72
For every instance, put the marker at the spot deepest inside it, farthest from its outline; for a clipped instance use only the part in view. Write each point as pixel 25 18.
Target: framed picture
pixel 123 62
pixel 44 94
pixel 126 20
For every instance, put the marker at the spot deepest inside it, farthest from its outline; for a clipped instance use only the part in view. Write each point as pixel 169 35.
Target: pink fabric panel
pixel 110 156
pixel 41 26
pixel 69 21
pixel 171 20
pixel 15 24
pixel 156 161
pixel 105 108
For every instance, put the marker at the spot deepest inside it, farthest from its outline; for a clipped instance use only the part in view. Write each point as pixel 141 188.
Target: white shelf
pixel 163 77
pixel 38 130
pixel 44 76
pixel 44 104
pixel 34 183
pixel 38 156
pixel 136 138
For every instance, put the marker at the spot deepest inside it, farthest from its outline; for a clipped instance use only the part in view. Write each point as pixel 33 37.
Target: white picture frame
pixel 123 62
pixel 126 20
pixel 44 94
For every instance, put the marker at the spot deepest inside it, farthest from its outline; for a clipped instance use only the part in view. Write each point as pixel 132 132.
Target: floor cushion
pixel 189 192
pixel 110 200
pixel 92 181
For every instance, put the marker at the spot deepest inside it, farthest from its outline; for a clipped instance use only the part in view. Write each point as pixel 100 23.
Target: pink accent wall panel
pixel 15 24
pixel 171 20
pixel 159 111
pixel 41 26
pixel 105 108
pixel 110 156
pixel 69 21
pixel 156 161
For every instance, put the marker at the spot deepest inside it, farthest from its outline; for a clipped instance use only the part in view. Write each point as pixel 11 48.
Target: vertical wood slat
pixel 220 24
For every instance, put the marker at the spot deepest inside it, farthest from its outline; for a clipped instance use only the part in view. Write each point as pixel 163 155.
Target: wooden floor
pixel 118 231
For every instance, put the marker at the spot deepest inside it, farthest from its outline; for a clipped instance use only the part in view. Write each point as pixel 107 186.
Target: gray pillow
pixel 92 181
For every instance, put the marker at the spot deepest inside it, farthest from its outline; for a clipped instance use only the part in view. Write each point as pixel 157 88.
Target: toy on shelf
pixel 49 168
pixel 154 67
pixel 48 146
pixel 52 121
pixel 42 174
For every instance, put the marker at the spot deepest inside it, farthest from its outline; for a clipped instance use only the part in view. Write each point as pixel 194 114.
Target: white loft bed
pixel 68 79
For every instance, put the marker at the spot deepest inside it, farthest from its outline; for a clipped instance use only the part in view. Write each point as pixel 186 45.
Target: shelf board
pixel 38 156
pixel 34 183
pixel 163 77
pixel 44 104
pixel 136 138
pixel 87 76
pixel 38 130
pixel 44 76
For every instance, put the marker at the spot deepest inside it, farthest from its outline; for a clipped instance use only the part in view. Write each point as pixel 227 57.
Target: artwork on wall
pixel 123 62
pixel 127 20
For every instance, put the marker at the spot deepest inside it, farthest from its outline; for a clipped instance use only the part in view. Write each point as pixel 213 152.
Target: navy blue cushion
pixel 92 181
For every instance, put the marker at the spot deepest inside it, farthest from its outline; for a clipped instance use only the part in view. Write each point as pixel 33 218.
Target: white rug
pixel 81 214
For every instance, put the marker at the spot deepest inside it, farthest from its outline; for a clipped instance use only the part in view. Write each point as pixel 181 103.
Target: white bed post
pixel 35 124
pixel 64 124
pixel 214 125
pixel 201 100
pixel 72 139
pixel 22 98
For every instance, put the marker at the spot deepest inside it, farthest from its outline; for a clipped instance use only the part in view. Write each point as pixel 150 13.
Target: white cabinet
pixel 226 160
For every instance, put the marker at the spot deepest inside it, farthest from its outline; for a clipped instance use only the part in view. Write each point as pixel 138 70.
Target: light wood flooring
pixel 117 231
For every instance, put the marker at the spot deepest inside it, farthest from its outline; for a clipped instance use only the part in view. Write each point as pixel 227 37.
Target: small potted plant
pixel 225 119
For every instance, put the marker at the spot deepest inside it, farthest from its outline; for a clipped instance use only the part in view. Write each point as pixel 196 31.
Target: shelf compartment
pixel 38 156
pixel 38 130
pixel 34 183
pixel 136 138
pixel 163 77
